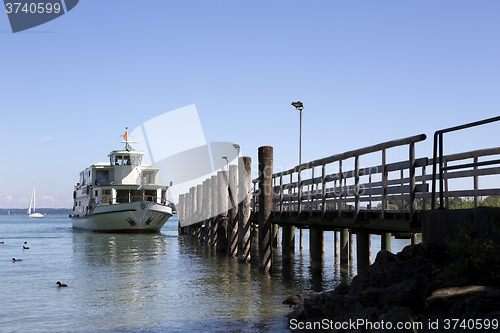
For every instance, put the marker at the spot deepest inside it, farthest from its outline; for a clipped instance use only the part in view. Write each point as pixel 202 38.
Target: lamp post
pixel 299 106
pixel 237 147
pixel 227 162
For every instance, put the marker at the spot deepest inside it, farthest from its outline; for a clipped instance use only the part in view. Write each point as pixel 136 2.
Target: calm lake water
pixel 146 283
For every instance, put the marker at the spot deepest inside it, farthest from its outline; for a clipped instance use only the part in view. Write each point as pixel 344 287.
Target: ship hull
pixel 134 217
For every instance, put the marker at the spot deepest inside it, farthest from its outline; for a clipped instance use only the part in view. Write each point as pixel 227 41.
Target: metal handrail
pixel 438 141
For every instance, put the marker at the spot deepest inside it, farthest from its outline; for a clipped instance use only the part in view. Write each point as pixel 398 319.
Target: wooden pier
pixel 334 193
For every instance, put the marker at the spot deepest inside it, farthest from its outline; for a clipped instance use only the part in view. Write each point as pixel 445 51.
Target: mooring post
pixel 351 246
pixel 275 234
pixel 233 213
pixel 344 245
pixel 265 206
pixel 335 245
pixel 181 212
pixel 244 184
pixel 199 205
pixel 194 209
pixel 363 250
pixel 288 241
pixel 207 207
pixel 316 247
pixel 386 241
pixel 214 211
pixel 222 199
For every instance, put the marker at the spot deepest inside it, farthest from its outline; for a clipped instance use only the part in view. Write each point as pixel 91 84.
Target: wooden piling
pixel 316 247
pixel 344 245
pixel 335 245
pixel 265 206
pixel 351 247
pixel 363 250
pixel 192 203
pixel 386 241
pixel 288 241
pixel 233 213
pixel 222 198
pixel 244 199
pixel 214 211
pixel 206 209
pixel 199 205
pixel 181 212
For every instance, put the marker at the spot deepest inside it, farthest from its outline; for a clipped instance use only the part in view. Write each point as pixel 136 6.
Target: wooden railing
pixel 332 188
pixel 328 192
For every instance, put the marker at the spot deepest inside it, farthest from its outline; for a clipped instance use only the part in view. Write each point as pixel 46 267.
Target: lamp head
pixel 298 105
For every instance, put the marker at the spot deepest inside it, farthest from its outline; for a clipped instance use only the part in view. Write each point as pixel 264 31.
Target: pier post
pixel 363 250
pixel 335 245
pixel 181 212
pixel 344 246
pixel 199 205
pixel 222 199
pixel 192 192
pixel 233 213
pixel 207 207
pixel 265 206
pixel 316 247
pixel 386 241
pixel 214 211
pixel 244 199
pixel 275 234
pixel 288 241
pixel 351 247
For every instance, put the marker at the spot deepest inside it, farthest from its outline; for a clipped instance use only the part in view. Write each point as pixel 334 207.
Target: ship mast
pixel 127 142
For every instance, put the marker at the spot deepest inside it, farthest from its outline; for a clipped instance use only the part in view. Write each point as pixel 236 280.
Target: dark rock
pixel 404 288
pixel 398 315
pixel 409 293
pixel 298 313
pixel 385 257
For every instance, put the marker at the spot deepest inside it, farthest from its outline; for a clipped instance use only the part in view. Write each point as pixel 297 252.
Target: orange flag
pixel 125 136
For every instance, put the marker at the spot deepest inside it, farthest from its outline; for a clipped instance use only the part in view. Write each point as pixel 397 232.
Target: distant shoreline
pixel 49 211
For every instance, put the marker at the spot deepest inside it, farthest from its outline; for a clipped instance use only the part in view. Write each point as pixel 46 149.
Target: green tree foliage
pixel 472 256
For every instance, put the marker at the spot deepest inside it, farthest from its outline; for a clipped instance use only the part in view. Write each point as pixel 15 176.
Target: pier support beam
pixel 335 245
pixel 386 241
pixel 244 199
pixel 199 206
pixel 233 213
pixel 275 234
pixel 265 206
pixel 207 206
pixel 214 212
pixel 316 247
pixel 222 199
pixel 344 246
pixel 287 242
pixel 182 212
pixel 363 250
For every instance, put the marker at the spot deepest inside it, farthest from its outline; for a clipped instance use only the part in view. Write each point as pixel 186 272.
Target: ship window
pixel 122 196
pixel 118 160
pixel 126 160
pixel 102 176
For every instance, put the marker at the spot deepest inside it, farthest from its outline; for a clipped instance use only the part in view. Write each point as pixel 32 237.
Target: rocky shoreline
pixel 405 292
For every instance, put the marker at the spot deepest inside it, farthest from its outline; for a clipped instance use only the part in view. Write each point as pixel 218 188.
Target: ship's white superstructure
pixel 121 195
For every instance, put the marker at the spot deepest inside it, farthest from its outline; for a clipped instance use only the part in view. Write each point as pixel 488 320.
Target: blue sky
pixel 366 71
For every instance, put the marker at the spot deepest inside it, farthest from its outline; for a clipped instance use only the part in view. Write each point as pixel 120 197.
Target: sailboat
pixel 32 204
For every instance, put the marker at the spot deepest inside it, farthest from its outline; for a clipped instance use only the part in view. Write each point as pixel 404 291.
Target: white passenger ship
pixel 121 195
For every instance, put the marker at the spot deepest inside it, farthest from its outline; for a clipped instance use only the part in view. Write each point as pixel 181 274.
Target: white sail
pixel 32 204
pixel 31 201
